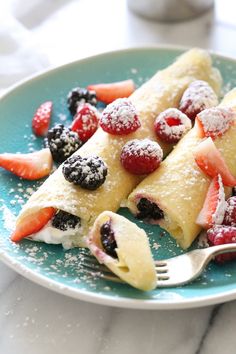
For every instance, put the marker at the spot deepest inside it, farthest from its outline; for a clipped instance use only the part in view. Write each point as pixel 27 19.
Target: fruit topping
pixel 141 157
pixel 87 172
pixel 41 119
pixel 214 206
pixel 220 235
pixel 149 210
pixel 214 122
pixel 211 162
pixel 197 97
pixel 64 221
pixel 230 214
pixel 32 223
pixel 85 121
pixel 171 124
pixel 32 166
pixel 62 142
pixel 80 95
pixel 120 117
pixel 108 239
pixel 107 93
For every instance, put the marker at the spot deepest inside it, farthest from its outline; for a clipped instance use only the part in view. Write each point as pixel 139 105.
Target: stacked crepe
pixel 162 91
pixel 179 187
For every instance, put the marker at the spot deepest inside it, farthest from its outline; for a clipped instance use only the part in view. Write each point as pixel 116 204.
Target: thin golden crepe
pixel 179 188
pixel 162 91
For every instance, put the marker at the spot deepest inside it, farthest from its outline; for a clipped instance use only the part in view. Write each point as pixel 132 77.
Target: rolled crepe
pixel 162 91
pixel 179 187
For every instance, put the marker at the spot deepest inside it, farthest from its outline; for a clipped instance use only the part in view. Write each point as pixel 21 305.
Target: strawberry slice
pixel 212 163
pixel 32 223
pixel 30 166
pixel 107 93
pixel 41 119
pixel 214 206
pixel 214 122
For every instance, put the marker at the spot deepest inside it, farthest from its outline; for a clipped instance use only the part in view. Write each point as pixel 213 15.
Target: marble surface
pixel 35 320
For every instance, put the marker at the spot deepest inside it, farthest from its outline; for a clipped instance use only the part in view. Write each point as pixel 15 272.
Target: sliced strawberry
pixel 30 166
pixel 214 122
pixel 85 121
pixel 107 93
pixel 41 119
pixel 212 163
pixel 32 223
pixel 214 206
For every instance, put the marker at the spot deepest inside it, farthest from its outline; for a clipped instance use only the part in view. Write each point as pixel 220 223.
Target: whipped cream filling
pixel 69 238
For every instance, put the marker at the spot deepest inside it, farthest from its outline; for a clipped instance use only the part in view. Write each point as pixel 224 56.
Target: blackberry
pixel 62 142
pixel 87 172
pixel 149 210
pixel 108 239
pixel 80 95
pixel 64 221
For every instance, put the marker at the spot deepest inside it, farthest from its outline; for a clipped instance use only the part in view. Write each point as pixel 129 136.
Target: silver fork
pixel 171 272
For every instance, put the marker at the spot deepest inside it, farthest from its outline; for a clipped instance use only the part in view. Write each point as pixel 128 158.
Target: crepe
pixel 162 91
pixel 179 188
pixel 134 263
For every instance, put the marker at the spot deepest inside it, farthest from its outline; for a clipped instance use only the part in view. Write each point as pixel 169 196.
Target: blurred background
pixel 35 34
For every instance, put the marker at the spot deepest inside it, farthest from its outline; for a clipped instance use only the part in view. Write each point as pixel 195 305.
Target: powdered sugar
pixel 216 121
pixel 219 213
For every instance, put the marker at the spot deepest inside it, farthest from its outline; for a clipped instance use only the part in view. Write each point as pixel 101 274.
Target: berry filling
pixel 62 142
pixel 149 210
pixel 171 125
pixel 108 239
pixel 197 97
pixel 120 118
pixel 141 156
pixel 64 221
pixel 220 235
pixel 80 95
pixel 87 172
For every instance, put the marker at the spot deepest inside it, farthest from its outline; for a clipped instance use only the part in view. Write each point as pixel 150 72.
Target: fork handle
pixel 219 249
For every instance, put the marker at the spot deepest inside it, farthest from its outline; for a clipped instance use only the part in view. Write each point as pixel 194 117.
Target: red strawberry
pixel 230 214
pixel 41 119
pixel 85 121
pixel 120 117
pixel 171 124
pixel 214 206
pixel 197 97
pixel 141 156
pixel 30 166
pixel 211 162
pixel 214 122
pixel 220 235
pixel 107 93
pixel 32 223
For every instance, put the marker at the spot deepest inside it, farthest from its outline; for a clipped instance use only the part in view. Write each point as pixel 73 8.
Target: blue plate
pixel 50 265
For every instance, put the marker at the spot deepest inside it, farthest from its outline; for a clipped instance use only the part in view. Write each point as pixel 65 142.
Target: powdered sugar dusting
pixel 145 147
pixel 219 213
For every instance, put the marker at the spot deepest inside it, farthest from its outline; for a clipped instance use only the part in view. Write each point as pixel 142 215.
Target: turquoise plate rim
pixel 85 295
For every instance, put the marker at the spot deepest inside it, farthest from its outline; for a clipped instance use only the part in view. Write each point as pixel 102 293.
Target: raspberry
pixel 230 214
pixel 197 97
pixel 85 121
pixel 141 156
pixel 220 235
pixel 120 118
pixel 87 172
pixel 108 239
pixel 171 124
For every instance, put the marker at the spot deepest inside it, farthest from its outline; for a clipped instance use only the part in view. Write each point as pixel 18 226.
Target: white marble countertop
pixel 35 320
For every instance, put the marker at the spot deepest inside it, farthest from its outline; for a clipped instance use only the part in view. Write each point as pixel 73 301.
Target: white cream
pixel 68 238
